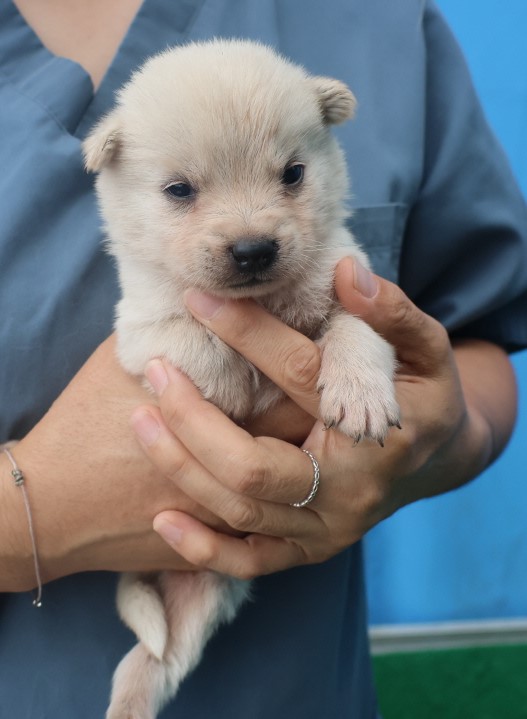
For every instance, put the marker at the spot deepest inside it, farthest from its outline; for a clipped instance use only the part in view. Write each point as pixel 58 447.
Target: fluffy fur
pixel 247 135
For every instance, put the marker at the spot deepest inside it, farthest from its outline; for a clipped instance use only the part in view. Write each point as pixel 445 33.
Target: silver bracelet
pixel 19 478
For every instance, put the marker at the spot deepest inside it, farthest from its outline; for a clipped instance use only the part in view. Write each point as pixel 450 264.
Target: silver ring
pixel 316 482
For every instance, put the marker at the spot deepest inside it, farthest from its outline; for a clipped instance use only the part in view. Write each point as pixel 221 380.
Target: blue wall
pixel 464 555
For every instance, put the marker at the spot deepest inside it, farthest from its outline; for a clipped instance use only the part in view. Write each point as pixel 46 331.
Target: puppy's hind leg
pixel 203 601
pixel 196 603
pixel 138 681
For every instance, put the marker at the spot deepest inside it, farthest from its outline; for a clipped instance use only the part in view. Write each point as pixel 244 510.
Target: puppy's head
pixel 217 168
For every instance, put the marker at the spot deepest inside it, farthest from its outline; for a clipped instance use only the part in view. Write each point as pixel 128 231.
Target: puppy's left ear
pixel 336 100
pixel 102 144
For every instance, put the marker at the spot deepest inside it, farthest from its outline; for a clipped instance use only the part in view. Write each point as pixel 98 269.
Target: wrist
pixel 47 485
pixel 45 488
pixel 490 391
pixel 16 554
pixel 474 445
pixel 458 458
pixel 486 389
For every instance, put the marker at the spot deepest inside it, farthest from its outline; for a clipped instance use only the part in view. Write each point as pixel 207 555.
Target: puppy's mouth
pixel 255 286
pixel 248 282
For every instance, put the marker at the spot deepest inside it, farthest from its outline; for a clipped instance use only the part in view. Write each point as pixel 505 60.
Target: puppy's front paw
pixel 356 382
pixel 362 407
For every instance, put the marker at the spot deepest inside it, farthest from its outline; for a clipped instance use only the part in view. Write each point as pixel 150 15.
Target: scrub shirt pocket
pixel 379 230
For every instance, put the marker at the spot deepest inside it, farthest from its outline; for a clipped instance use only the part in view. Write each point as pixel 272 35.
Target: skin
pixel 458 408
pixel 95 494
pixel 86 32
pixel 92 491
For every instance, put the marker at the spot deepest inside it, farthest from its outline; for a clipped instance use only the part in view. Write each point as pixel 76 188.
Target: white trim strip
pixel 391 638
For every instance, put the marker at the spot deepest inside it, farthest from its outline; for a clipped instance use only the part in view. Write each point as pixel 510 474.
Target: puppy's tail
pixel 141 608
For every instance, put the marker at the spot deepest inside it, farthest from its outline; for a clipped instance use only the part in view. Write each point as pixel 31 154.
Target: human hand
pixel 93 492
pixel 251 481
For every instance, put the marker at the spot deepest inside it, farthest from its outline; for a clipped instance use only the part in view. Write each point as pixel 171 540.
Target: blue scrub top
pixel 436 208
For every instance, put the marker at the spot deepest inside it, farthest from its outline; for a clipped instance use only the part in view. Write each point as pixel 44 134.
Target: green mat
pixel 475 683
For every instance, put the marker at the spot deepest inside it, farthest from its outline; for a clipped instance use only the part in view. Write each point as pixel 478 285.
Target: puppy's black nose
pixel 254 255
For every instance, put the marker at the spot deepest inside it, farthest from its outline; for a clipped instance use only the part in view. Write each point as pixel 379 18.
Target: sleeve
pixel 464 257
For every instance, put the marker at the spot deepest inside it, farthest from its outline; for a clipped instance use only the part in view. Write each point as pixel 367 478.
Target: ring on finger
pixel 316 482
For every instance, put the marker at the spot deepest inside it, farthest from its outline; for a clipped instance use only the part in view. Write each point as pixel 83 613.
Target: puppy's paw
pixel 362 407
pixel 356 381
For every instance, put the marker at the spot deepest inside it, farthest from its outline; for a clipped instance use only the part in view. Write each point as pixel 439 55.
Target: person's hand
pixel 251 481
pixel 93 492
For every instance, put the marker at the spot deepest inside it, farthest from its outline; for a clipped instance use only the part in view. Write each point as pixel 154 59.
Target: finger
pixel 284 420
pixel 286 356
pixel 245 558
pixel 420 340
pixel 263 467
pixel 240 512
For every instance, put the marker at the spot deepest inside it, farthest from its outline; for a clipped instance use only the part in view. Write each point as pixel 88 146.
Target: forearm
pixel 93 493
pixel 489 386
pixel 482 429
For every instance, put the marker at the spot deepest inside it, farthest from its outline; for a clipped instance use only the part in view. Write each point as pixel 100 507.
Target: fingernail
pixel 146 427
pixel 203 305
pixel 171 534
pixel 363 280
pixel 157 376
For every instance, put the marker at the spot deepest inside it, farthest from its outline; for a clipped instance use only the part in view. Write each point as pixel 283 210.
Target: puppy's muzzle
pixel 254 255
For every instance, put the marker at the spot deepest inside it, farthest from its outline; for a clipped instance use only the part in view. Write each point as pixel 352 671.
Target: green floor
pixel 476 683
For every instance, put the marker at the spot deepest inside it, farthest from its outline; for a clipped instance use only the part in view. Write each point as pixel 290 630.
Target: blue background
pixel 464 555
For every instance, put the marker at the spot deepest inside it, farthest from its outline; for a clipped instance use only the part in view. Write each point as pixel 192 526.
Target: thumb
pixel 421 342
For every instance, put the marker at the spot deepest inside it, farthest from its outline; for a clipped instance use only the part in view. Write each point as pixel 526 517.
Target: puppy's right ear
pixel 102 143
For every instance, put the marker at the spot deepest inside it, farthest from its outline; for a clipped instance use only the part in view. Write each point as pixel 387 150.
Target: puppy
pixel 218 171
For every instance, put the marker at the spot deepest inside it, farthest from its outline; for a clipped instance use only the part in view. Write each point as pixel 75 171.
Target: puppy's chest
pixel 307 313
pixel 223 376
pixel 256 393
pixel 234 384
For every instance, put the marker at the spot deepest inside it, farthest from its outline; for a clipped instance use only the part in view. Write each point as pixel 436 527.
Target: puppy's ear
pixel 336 100
pixel 102 143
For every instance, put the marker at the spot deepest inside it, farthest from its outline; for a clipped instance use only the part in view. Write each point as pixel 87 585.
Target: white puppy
pixel 218 171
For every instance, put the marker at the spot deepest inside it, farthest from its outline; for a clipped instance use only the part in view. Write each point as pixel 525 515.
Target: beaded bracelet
pixel 19 478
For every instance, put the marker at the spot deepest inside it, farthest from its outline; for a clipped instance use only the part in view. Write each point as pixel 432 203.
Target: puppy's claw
pixel 335 421
pixel 370 426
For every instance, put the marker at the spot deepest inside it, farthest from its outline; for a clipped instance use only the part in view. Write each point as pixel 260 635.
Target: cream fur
pixel 226 118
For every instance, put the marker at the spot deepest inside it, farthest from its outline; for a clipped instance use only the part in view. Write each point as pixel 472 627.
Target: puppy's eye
pixel 181 190
pixel 293 175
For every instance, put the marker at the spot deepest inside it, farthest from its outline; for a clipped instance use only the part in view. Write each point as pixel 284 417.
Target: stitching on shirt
pixel 35 101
